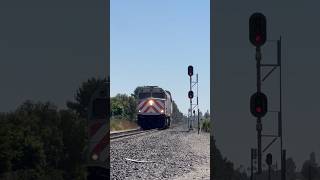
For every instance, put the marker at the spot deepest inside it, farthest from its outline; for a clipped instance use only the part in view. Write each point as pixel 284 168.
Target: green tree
pixel 223 169
pixel 291 169
pixel 116 108
pixel 177 116
pixel 124 106
pixel 83 96
pixel 41 143
pixel 73 136
pixel 310 168
pixel 136 92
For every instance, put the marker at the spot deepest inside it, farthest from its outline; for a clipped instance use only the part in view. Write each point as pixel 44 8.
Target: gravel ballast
pixel 165 154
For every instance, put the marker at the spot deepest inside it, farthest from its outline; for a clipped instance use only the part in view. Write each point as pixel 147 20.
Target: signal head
pixel 257 29
pixel 190 94
pixel 190 70
pixel 258 104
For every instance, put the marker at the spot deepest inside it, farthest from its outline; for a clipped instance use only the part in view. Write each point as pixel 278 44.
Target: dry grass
pixel 118 124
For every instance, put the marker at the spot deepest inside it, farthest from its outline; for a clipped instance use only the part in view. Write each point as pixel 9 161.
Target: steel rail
pixel 122 134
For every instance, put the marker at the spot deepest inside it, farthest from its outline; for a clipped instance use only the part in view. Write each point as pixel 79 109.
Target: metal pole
pixel 198 122
pixel 283 165
pixel 283 175
pixel 194 117
pixel 198 102
pixel 190 105
pixel 309 172
pixel 259 124
pixel 251 176
pixel 269 172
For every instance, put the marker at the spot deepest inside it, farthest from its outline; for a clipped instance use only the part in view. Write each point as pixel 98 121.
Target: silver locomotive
pixel 154 107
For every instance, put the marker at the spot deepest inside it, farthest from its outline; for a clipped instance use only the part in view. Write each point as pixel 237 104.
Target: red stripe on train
pixel 147 109
pixel 158 104
pixel 145 102
pixel 94 128
pixel 155 109
pixel 102 144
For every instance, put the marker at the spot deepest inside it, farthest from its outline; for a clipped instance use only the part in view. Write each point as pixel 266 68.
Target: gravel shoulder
pixel 166 154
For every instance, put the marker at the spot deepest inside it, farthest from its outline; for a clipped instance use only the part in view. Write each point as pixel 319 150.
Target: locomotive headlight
pixel 139 110
pixel 161 111
pixel 94 157
pixel 151 102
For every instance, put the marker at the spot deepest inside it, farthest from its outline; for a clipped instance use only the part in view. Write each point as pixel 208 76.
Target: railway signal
pixel 258 104
pixel 190 94
pixel 258 29
pixel 190 70
pixel 259 101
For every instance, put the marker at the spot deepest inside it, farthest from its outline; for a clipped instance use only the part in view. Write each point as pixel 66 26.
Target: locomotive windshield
pixel 154 94
pixel 144 95
pixel 158 95
pixel 100 108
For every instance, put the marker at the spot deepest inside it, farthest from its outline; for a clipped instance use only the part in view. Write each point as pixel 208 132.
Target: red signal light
pixel 258 109
pixel 258 38
pixel 257 29
pixel 258 104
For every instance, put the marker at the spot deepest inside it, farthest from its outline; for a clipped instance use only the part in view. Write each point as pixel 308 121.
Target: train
pixel 154 111
pixel 98 156
pixel 154 108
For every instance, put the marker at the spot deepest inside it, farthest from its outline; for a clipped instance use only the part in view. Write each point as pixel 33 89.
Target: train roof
pixel 153 89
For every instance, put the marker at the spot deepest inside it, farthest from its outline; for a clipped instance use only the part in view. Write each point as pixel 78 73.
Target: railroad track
pixel 122 134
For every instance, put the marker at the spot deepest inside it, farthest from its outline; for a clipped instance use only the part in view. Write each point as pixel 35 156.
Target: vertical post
pixel 269 172
pixel 194 117
pixel 259 128
pixel 198 122
pixel 259 124
pixel 283 165
pixel 190 119
pixel 309 172
pixel 283 159
pixel 198 102
pixel 251 176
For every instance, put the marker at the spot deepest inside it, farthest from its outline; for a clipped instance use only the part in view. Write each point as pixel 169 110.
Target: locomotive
pixel 98 159
pixel 154 107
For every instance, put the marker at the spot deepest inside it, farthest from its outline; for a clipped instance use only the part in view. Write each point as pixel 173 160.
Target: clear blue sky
pixel 152 43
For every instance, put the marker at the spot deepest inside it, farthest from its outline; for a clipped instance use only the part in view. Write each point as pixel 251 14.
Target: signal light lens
pixel 190 94
pixel 258 38
pixel 258 109
pixel 258 104
pixel 257 29
pixel 190 70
